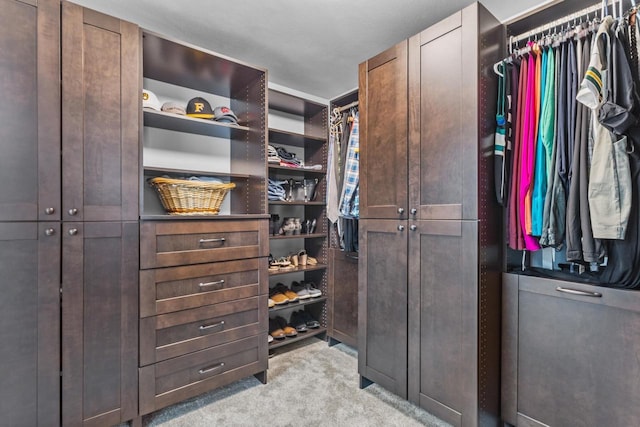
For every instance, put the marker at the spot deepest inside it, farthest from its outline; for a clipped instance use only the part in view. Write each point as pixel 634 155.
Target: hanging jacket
pixel 515 236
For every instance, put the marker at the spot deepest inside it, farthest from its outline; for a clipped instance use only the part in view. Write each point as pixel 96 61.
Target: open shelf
pixel 185 124
pixel 278 202
pixel 277 136
pixel 159 171
pixel 296 171
pixel 299 269
pixel 299 236
pixel 297 304
pixel 301 336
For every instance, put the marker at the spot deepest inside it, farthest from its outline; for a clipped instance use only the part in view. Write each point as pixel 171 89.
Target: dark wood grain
pixel 343 297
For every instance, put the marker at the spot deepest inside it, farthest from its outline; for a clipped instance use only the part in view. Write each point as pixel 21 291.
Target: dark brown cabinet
pixel 30 319
pixel 343 297
pixel 445 264
pixel 569 353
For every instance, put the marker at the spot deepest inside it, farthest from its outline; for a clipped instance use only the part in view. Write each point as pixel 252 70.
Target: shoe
pixel 289 331
pixel 313 291
pixel 269 338
pixel 288 293
pixel 309 320
pixel 271 303
pixel 311 260
pixel 303 259
pixel 298 322
pixel 312 228
pixel 277 297
pixel 275 330
pixel 300 290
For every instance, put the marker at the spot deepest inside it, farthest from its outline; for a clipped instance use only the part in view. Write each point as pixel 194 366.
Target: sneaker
pixel 309 320
pixel 313 291
pixel 271 303
pixel 300 290
pixel 298 322
pixel 269 338
pixel 288 293
pixel 289 331
pixel 275 330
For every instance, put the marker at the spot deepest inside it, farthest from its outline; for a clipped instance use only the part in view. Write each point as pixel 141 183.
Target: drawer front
pixel 174 380
pixel 172 289
pixel 175 334
pixel 173 243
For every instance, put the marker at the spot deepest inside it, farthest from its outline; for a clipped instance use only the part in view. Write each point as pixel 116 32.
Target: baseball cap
pixel 224 114
pixel 200 108
pixel 174 107
pixel 150 100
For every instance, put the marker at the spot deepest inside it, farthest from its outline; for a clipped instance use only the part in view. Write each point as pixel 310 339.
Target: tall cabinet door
pixel 382 304
pixel 443 119
pixel 383 134
pixel 30 324
pixel 29 113
pixel 99 322
pixel 443 304
pixel 100 116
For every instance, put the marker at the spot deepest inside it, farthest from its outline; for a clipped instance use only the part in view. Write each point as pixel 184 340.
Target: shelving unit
pixel 203 278
pixel 300 126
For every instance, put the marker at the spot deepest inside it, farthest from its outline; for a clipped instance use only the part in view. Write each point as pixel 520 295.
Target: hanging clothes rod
pixel 346 107
pixel 559 22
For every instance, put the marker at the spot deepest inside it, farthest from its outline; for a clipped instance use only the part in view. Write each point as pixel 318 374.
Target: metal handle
pixel 220 240
pixel 413 227
pixel 73 211
pixel 414 211
pixel 73 231
pixel 49 231
pixel 205 284
pixel 401 228
pixel 213 325
pixel 400 211
pixel 212 368
pixel 578 292
pixel 49 211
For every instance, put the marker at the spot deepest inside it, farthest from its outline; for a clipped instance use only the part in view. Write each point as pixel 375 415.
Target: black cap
pixel 199 108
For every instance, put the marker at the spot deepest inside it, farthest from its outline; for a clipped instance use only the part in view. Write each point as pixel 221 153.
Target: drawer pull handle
pixel 206 284
pixel 212 368
pixel 213 325
pixel 578 292
pixel 218 240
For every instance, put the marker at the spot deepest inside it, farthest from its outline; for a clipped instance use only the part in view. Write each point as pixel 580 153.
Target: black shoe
pixel 309 320
pixel 298 322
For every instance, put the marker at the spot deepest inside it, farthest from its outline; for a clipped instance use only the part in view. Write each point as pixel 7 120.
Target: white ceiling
pixel 312 46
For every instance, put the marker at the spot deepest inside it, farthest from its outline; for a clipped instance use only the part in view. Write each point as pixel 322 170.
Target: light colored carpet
pixel 310 384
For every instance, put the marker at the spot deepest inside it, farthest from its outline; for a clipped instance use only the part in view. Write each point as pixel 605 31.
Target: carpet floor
pixel 310 384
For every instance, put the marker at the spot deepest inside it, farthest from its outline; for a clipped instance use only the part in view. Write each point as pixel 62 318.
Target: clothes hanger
pixel 496 68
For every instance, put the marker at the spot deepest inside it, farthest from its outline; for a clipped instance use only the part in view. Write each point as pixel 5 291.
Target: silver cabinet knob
pixel 400 211
pixel 49 211
pixel 73 231
pixel 413 227
pixel 73 211
pixel 401 228
pixel 414 211
pixel 49 231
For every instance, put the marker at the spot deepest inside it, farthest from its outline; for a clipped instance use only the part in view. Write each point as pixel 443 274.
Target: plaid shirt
pixel 349 200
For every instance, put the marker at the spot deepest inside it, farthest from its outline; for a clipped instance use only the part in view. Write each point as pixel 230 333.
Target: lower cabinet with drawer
pixel 203 307
pixel 569 353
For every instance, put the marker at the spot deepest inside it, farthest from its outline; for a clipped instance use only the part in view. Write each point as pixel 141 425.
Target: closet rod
pixel 346 107
pixel 558 22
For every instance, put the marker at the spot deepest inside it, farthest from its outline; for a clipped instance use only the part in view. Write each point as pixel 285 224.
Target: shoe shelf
pixel 299 236
pixel 301 336
pixel 299 269
pixel 297 304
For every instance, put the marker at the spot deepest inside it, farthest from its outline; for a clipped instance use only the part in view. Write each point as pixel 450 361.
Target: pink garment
pixel 527 153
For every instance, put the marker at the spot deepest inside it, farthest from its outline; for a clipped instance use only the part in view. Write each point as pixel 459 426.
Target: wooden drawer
pixel 165 290
pixel 173 243
pixel 177 379
pixel 175 334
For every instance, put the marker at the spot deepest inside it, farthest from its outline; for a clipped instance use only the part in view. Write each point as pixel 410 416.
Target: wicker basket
pixel 186 197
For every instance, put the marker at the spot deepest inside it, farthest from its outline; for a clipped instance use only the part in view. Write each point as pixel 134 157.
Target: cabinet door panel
pixel 100 340
pixel 383 134
pixel 30 319
pixel 442 333
pixel 343 296
pixel 29 118
pixel 100 108
pixel 382 304
pixel 577 355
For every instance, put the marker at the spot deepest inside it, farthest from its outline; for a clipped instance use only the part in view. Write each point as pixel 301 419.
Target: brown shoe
pixel 275 330
pixel 278 297
pixel 288 293
pixel 288 330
